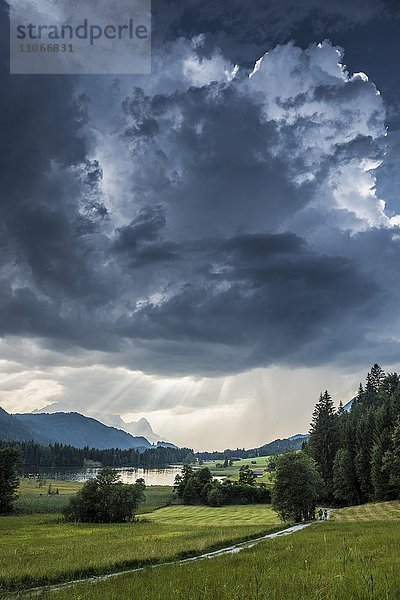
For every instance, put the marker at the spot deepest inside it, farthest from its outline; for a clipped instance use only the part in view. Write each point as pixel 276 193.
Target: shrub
pixel 105 500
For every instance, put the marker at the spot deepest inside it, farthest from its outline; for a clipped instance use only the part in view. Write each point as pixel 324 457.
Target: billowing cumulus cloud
pixel 236 210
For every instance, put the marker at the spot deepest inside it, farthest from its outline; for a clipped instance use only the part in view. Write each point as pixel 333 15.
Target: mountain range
pixel 67 428
pixel 79 431
pixel 12 428
pixel 137 428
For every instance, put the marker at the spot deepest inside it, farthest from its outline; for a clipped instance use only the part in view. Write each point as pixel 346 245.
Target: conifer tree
pixel 324 439
pixel 373 384
pixel 360 394
pixel 376 377
pixel 340 410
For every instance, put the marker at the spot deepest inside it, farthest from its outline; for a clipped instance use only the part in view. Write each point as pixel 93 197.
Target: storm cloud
pixel 197 261
pixel 238 209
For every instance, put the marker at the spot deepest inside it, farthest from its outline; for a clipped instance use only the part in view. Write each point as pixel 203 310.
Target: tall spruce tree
pixel 324 439
pixel 360 394
pixel 376 377
pixel 373 384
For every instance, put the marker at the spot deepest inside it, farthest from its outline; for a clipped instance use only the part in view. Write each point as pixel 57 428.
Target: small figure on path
pixel 325 515
pixel 320 514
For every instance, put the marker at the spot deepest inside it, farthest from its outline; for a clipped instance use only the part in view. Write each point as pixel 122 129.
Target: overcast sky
pixel 211 245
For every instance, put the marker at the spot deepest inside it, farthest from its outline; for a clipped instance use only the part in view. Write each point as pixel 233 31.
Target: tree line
pixel 272 448
pixel 34 456
pixel 358 451
pixel 197 486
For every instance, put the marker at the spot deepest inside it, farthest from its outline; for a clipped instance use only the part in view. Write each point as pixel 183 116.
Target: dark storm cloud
pixel 145 227
pixel 45 175
pixel 191 266
pixel 213 162
pixel 50 206
pixel 268 298
pixel 140 241
pixel 245 30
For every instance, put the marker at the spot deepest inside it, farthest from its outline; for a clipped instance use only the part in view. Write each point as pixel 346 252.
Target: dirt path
pixel 233 549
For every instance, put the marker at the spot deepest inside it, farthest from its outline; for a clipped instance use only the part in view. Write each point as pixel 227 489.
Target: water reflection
pixel 127 474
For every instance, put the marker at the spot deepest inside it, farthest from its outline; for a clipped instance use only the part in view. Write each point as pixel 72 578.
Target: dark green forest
pixel 35 455
pixel 358 451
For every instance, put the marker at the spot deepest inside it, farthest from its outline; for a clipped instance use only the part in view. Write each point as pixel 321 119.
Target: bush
pixel 105 500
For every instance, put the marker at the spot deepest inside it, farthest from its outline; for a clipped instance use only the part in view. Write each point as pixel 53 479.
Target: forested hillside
pixel 35 456
pixel 80 431
pixel 12 428
pixel 71 429
pixel 278 446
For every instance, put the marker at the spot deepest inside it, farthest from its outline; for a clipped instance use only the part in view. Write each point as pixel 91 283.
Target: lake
pixel 127 474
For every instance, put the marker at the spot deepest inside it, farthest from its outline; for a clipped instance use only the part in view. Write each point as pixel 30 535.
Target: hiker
pixel 325 515
pixel 320 513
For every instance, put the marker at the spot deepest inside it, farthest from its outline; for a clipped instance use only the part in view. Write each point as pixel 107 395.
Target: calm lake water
pixel 127 474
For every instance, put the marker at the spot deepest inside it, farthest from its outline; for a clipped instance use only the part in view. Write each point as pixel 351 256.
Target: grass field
pixel 38 549
pixel 29 485
pixel 354 556
pixel 327 561
pixel 225 516
pixel 382 511
pixel 35 500
pixel 32 504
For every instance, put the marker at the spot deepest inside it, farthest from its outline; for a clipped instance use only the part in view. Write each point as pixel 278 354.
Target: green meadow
pixel 376 511
pixel 34 499
pixel 334 560
pixel 41 549
pixel 226 516
pixel 327 561
pixel 354 556
pixel 29 486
